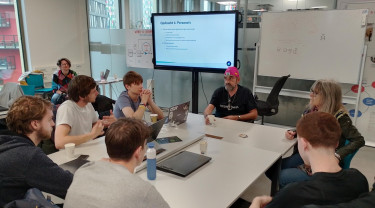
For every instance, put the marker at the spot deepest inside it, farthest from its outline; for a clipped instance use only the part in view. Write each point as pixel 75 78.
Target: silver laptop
pixel 178 114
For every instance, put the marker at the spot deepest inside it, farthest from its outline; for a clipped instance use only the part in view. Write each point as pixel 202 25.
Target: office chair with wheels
pixel 270 107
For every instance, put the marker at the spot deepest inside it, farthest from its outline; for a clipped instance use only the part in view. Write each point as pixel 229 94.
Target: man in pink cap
pixel 232 101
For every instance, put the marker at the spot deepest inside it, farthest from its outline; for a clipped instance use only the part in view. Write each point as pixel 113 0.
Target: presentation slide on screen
pixel 195 40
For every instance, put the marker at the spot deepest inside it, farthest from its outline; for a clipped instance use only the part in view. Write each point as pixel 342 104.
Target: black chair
pixel 270 107
pixel 103 105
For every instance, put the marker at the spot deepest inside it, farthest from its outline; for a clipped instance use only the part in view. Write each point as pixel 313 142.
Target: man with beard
pixel 23 165
pixel 76 120
pixel 232 101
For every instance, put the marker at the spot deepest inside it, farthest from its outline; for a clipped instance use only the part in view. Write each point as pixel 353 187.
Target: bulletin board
pixel 139 48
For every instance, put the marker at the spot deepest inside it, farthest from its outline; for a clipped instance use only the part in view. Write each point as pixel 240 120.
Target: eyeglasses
pixel 314 93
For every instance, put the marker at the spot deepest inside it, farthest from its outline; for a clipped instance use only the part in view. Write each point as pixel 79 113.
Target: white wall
pixel 55 29
pixel 278 5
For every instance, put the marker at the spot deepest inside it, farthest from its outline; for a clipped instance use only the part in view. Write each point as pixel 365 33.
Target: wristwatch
pixel 239 118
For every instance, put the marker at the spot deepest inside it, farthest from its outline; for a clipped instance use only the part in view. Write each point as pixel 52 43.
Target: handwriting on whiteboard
pixel 287 50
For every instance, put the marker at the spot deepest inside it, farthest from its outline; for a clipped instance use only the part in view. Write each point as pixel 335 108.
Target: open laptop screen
pixel 178 114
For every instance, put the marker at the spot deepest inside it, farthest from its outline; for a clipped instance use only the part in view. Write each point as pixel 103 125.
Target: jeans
pixel 289 171
pixel 58 98
pixel 291 162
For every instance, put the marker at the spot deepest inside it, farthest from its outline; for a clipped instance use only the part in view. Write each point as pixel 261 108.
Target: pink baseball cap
pixel 233 71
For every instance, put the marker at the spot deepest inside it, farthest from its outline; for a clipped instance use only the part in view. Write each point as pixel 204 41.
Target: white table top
pixel 108 81
pixel 260 136
pixel 236 162
pixel 96 149
pixel 219 183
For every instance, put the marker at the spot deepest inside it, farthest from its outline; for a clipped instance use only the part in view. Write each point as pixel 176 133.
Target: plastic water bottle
pixel 151 161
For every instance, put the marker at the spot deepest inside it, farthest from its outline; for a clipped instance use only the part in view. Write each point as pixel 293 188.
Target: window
pixel 104 14
pixel 11 61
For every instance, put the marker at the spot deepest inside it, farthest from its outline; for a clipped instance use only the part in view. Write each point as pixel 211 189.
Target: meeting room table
pixel 241 152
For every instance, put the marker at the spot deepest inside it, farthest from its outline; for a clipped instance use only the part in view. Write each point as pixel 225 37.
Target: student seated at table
pixel 132 103
pixel 318 137
pixel 112 182
pixel 363 201
pixel 325 96
pixel 232 101
pixel 76 120
pixel 23 165
pixel 60 81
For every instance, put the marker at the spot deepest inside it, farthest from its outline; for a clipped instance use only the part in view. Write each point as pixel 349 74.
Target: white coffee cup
pixel 203 146
pixel 154 118
pixel 69 150
pixel 211 119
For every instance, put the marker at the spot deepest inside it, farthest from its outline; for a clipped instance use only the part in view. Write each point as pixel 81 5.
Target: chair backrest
pixel 272 98
pixel 28 89
pixel 36 80
pixel 9 93
pixel 347 159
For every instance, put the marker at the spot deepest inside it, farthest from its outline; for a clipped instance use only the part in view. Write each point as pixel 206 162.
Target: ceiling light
pixel 319 7
pixel 227 2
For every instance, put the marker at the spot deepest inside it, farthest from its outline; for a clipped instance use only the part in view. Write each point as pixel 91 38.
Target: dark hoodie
pixel 24 166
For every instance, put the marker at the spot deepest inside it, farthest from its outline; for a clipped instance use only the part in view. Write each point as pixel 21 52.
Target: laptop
pixel 155 129
pixel 178 114
pixel 183 164
pixel 3 108
pixel 106 74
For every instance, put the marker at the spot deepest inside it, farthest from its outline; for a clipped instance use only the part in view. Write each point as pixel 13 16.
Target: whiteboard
pixel 313 45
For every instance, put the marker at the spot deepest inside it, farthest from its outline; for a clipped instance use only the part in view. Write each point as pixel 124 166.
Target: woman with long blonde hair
pixel 325 96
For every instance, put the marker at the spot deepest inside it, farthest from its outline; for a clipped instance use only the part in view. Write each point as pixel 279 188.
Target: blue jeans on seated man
pixel 58 98
pixel 290 172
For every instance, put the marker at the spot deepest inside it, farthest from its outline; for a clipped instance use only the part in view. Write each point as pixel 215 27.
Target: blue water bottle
pixel 151 161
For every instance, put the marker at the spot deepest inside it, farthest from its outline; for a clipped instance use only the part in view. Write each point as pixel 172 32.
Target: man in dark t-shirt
pixel 318 137
pixel 232 101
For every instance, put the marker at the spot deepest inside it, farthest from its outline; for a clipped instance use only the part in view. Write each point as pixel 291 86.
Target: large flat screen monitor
pixel 195 41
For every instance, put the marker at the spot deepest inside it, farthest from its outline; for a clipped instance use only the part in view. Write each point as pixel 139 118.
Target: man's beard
pixel 229 87
pixel 43 134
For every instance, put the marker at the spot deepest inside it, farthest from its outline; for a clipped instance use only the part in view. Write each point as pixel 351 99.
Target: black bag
pixel 33 198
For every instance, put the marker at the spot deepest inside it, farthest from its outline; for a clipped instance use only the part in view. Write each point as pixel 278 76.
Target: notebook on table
pixel 178 114
pixel 183 164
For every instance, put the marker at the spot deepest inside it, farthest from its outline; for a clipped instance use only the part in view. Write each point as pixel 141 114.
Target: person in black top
pixel 364 200
pixel 232 101
pixel 23 165
pixel 318 136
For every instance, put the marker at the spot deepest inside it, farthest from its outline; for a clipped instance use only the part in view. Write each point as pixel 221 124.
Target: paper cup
pixel 154 118
pixel 69 150
pixel 203 146
pixel 211 119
